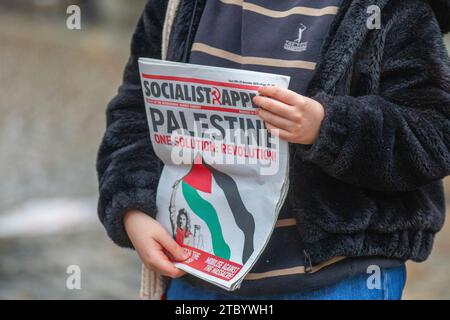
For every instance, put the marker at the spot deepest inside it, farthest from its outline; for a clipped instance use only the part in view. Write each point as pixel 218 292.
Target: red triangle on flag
pixel 199 177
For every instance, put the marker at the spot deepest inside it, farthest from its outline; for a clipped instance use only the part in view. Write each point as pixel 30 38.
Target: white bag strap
pixel 172 8
pixel 153 285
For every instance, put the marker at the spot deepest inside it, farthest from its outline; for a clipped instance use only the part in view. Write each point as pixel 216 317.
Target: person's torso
pixel 283 37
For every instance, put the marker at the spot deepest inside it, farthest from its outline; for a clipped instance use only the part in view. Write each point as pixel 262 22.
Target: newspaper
pixel 225 177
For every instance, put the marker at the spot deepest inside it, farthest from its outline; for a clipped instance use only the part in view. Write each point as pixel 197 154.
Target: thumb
pixel 171 246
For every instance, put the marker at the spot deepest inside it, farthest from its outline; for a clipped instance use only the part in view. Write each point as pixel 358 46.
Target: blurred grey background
pixel 54 86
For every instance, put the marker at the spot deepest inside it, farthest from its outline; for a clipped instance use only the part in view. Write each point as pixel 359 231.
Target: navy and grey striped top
pixel 283 37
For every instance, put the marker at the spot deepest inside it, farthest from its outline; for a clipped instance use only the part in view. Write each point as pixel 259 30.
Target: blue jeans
pixel 390 287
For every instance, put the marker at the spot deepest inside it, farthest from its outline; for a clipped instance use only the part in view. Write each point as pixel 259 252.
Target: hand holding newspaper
pixel 225 177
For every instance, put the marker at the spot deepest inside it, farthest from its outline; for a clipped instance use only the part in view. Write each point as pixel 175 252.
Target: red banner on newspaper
pixel 211 264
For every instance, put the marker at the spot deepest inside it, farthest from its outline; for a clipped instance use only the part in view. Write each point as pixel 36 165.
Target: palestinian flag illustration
pixel 195 200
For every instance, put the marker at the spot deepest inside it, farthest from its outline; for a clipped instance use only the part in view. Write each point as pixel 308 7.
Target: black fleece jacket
pixel 371 184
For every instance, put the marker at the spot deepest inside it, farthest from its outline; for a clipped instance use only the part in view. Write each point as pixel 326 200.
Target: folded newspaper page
pixel 225 177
